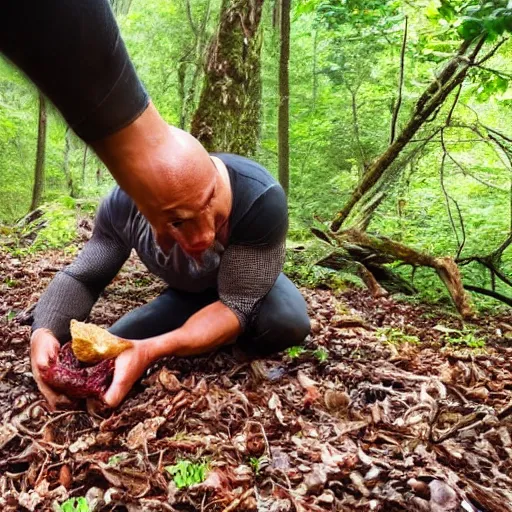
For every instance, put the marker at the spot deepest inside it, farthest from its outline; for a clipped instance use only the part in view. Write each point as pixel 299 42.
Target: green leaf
pixel 447 11
pixel 186 473
pixel 295 352
pixel 75 505
pixel 470 28
pixel 321 354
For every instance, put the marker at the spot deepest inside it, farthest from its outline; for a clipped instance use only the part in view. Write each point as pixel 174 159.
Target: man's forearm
pixel 65 298
pixel 206 330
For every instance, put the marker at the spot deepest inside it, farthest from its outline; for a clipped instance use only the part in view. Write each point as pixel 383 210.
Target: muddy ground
pixel 386 409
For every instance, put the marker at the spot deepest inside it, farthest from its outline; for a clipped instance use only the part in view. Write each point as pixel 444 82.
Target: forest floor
pixel 391 407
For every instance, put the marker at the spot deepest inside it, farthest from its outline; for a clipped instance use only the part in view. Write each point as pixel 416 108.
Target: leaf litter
pixel 378 423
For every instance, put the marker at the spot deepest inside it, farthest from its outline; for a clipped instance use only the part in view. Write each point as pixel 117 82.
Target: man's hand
pixel 130 365
pixel 44 348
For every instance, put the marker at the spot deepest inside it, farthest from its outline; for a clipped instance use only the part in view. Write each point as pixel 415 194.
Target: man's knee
pixel 293 330
pixel 283 329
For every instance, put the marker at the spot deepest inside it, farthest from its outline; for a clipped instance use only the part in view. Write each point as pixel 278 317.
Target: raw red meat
pixel 74 379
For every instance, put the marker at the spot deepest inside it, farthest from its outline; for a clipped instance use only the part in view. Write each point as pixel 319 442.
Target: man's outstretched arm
pixel 74 53
pixel 246 275
pixel 72 293
pixel 209 328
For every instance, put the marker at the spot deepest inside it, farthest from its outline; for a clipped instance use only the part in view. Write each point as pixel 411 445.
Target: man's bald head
pixel 183 192
pixel 177 174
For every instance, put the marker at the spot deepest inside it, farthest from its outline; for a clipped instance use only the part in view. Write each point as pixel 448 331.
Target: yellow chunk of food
pixel 92 344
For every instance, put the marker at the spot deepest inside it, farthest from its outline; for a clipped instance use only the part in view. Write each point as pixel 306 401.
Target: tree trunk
pixel 182 75
pixel 37 191
pixel 452 75
pixel 65 166
pixel 120 7
pixel 228 115
pixel 191 63
pixel 284 98
pixel 84 164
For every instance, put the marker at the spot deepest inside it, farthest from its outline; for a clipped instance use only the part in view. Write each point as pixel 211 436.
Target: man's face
pixel 194 212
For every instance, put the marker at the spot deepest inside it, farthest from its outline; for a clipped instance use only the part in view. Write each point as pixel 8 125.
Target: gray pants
pixel 281 321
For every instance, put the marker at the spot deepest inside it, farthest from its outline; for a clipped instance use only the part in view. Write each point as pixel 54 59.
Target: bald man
pixel 215 232
pixel 74 53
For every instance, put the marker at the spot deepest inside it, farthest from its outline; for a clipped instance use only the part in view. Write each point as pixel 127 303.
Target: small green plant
pixel 295 352
pixel 255 464
pixel 186 473
pixel 464 338
pixel 116 459
pixel 321 354
pixel 10 283
pixel 75 505
pixel 396 336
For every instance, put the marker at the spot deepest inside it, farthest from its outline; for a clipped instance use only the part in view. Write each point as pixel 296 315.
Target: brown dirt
pixel 381 425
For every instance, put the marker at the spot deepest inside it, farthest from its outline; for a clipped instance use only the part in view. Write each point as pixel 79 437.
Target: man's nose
pixel 201 240
pixel 203 236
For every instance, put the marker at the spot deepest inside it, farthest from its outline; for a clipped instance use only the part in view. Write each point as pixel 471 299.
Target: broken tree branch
pixel 378 249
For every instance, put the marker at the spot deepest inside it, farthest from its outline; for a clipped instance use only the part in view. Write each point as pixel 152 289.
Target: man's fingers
pixel 114 395
pixel 118 389
pixel 51 397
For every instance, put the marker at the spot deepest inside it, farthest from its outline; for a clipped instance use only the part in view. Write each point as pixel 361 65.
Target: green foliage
pixel 488 84
pixel 114 460
pixel 491 19
pixel 373 16
pixel 311 276
pixel 321 354
pixel 473 18
pixel 295 352
pixel 10 283
pixel 395 336
pixel 59 229
pixel 186 473
pixel 75 505
pixel 255 463
pixel 10 315
pixel 344 54
pixel 465 338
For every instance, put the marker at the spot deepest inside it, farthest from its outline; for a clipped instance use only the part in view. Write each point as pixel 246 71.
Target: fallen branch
pixel 377 250
pixel 489 293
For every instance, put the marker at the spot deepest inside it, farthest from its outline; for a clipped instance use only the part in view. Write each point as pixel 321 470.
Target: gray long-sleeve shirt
pixel 248 268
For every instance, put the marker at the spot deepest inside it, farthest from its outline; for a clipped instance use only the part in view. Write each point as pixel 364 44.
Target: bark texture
pixel 373 251
pixel 284 98
pixel 228 114
pixel 37 191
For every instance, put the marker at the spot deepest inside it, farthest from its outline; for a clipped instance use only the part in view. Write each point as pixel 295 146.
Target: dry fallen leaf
pixel 143 432
pixel 336 401
pixel 274 404
pixel 134 481
pixel 7 432
pixel 169 381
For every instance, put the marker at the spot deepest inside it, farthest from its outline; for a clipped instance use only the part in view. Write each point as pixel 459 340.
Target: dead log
pixel 373 251
pixel 337 261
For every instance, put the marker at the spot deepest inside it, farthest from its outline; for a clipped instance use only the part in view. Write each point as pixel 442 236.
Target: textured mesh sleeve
pixel 74 290
pixel 246 275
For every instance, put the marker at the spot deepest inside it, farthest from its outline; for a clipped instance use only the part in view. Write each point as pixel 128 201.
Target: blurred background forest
pixel 398 124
